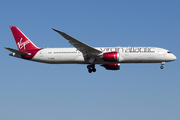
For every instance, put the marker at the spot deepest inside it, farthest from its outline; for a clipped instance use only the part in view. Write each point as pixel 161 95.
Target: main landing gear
pixel 91 68
pixel 162 65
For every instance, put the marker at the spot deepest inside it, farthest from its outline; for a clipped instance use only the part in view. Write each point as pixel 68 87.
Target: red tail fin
pixel 22 42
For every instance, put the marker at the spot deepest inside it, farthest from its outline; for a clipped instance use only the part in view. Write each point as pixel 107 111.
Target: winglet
pixel 64 34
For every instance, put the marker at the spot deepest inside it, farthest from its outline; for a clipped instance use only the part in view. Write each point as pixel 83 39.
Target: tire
pixel 89 70
pixel 161 67
pixel 94 69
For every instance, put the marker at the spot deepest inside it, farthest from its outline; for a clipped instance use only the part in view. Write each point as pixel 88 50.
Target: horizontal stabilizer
pixel 16 51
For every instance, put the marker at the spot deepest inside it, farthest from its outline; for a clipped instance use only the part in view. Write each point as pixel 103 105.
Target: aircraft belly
pixel 73 58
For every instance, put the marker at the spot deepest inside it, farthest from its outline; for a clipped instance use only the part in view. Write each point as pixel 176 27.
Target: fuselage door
pixel 41 53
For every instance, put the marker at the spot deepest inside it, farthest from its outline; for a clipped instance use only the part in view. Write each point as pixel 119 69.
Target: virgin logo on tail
pixel 22 44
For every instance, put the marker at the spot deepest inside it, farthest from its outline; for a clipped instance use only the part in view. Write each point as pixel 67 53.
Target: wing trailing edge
pixel 84 48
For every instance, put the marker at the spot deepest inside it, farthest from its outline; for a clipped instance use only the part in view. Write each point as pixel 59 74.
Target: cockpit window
pixel 169 52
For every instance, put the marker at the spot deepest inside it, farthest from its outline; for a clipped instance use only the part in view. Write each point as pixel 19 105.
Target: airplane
pixel 108 57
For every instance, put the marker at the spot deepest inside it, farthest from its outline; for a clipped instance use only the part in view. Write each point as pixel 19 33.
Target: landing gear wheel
pixel 91 68
pixel 94 69
pixel 162 67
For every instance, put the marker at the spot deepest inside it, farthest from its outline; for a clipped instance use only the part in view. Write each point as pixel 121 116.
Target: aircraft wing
pixel 84 48
pixel 16 51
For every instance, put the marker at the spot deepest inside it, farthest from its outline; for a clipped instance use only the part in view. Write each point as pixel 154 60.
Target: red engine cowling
pixel 111 57
pixel 112 66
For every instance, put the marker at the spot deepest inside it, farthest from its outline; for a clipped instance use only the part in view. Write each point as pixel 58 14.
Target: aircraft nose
pixel 171 57
pixel 174 57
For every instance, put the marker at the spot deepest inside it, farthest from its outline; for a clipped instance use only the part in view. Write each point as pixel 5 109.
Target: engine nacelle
pixel 111 57
pixel 112 66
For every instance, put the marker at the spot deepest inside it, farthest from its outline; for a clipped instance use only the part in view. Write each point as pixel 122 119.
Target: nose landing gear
pixel 91 68
pixel 162 65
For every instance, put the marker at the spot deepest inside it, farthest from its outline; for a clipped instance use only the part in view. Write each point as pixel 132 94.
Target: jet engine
pixel 112 66
pixel 111 57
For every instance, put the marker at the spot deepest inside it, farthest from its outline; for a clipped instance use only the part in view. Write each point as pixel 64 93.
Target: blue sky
pixel 34 91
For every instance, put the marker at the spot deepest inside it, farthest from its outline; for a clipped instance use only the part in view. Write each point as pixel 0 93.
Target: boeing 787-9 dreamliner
pixel 108 57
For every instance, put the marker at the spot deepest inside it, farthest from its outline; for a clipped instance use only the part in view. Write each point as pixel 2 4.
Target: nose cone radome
pixel 171 57
pixel 174 57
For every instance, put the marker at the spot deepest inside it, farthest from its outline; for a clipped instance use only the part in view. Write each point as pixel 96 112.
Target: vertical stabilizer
pixel 22 42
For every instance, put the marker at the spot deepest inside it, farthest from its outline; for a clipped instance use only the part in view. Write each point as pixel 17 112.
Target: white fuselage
pixel 108 57
pixel 127 55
